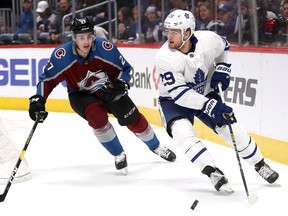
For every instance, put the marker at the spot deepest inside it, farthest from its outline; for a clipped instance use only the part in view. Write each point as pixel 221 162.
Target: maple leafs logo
pixel 200 82
pixel 186 15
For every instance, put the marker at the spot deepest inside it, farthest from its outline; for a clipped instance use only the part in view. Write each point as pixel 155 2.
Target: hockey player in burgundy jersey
pixel 97 77
pixel 191 64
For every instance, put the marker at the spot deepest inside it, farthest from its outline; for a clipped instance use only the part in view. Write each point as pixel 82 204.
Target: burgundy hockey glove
pixel 37 105
pixel 114 90
pixel 219 112
pixel 222 75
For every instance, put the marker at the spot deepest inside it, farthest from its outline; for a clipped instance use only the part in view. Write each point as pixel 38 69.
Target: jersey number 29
pixel 167 78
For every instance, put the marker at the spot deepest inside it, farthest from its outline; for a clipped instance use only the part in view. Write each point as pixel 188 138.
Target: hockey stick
pixel 15 169
pixel 252 198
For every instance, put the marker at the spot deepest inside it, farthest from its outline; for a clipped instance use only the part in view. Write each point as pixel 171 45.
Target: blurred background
pixel 261 23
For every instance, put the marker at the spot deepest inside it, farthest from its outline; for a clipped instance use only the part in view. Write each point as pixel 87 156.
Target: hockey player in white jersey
pixel 191 64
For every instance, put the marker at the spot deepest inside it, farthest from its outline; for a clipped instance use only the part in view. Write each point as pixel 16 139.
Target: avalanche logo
pixel 59 53
pixel 200 82
pixel 107 45
pixel 93 81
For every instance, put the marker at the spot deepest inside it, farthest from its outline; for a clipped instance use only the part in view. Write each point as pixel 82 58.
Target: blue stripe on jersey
pixel 176 87
pixel 198 154
pixel 181 93
pixel 164 98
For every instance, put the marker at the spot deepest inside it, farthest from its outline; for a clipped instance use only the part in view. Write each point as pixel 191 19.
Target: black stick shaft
pixel 15 169
pixel 238 159
pixel 235 146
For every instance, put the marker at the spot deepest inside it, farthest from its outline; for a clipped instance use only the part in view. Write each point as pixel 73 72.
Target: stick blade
pixel 252 199
pixel 2 197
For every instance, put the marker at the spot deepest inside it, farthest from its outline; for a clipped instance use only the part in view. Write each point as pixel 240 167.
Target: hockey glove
pixel 114 90
pixel 37 107
pixel 219 112
pixel 222 75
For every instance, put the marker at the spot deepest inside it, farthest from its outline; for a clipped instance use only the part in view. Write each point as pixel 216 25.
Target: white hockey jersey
pixel 186 77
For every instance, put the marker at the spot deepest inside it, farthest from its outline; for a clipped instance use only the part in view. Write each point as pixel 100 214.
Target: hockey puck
pixel 195 203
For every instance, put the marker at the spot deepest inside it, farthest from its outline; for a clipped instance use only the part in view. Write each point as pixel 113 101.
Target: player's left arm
pixel 125 68
pixel 112 55
pixel 222 67
pixel 113 90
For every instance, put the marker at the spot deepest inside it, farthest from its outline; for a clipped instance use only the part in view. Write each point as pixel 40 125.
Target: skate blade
pixel 226 188
pixel 124 171
pixel 276 183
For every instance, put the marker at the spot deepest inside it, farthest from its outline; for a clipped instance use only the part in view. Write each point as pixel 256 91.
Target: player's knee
pixel 96 116
pixel 183 130
pixel 181 127
pixel 185 137
pixel 139 125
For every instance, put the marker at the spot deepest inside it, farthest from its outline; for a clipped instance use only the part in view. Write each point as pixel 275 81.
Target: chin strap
pixel 184 41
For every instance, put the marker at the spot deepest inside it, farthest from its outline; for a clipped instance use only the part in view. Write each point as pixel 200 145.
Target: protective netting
pixel 9 155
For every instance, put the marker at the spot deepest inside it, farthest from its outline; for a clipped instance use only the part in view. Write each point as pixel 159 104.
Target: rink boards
pixel 256 91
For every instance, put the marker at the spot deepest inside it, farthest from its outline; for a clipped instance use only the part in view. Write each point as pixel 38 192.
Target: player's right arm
pixel 52 74
pixel 171 69
pixel 180 92
pixel 48 80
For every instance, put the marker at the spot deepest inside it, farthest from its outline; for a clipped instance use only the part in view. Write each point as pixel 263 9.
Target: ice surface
pixel 72 174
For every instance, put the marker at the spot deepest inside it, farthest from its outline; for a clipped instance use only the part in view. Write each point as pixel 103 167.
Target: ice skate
pixel 218 179
pixel 266 172
pixel 165 153
pixel 121 163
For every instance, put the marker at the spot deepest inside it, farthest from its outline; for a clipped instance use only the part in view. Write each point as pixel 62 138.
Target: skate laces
pixel 162 151
pixel 121 163
pixel 120 158
pixel 219 181
pixel 265 171
pixel 215 177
